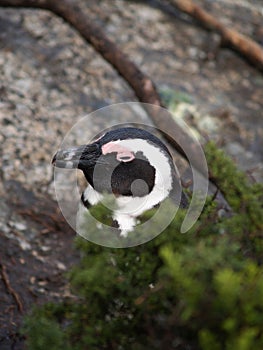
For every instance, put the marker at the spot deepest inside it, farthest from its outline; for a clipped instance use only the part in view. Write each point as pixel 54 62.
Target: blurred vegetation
pixel 172 98
pixel 199 290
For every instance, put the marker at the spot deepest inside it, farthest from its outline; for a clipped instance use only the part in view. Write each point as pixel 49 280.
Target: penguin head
pixel 126 162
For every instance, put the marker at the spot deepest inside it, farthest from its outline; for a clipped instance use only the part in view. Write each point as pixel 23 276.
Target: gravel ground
pixel 50 78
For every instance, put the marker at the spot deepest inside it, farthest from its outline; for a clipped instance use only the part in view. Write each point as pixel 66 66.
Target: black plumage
pixel 128 162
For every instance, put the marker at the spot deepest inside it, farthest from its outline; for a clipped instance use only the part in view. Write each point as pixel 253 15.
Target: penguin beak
pixel 77 157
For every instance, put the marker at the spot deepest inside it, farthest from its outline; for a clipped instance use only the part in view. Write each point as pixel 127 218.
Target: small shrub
pixel 199 290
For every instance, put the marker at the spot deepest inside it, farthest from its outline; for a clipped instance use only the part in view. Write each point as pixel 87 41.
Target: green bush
pixel 199 290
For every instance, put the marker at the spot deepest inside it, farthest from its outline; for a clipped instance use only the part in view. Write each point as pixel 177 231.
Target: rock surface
pixel 50 78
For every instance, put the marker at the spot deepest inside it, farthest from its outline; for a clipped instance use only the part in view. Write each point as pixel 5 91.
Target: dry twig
pixel 10 288
pixel 142 85
pixel 240 43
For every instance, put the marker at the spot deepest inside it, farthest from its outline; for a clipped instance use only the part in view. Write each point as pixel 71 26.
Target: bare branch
pixel 240 43
pixel 142 85
pixel 10 289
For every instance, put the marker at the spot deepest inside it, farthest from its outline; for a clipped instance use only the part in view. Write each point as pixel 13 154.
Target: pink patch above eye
pixel 123 153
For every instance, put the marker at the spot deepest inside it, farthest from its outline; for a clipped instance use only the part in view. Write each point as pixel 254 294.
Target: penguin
pixel 132 165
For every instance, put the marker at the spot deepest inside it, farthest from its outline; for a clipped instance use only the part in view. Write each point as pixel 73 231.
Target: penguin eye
pixel 122 157
pixel 124 154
